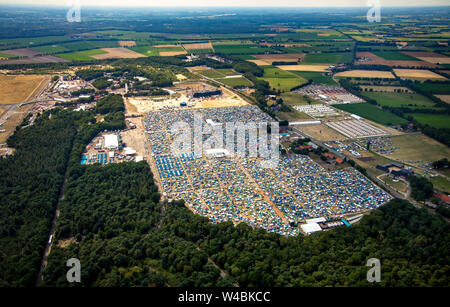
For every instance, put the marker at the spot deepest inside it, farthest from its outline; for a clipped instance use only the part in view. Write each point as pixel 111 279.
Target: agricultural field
pixel 87 55
pixel 328 58
pixel 432 120
pixel 270 58
pixel 418 74
pixel 372 113
pixel 316 77
pixel 385 88
pixel 365 74
pixel 396 56
pixel 242 49
pixel 16 89
pixel 305 67
pixel 296 99
pixel 233 82
pixel 434 88
pixel 398 100
pixel 117 53
pixel 280 79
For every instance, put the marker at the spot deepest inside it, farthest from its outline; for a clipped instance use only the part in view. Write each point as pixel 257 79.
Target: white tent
pixel 310 228
pixel 111 141
pixel 129 151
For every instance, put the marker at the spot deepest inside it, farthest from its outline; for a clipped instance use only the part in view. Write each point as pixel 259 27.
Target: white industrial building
pixel 111 142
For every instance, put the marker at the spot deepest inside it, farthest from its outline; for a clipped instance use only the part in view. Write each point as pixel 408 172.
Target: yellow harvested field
pixel 259 62
pixel 436 60
pixel 20 88
pixel 171 53
pixel 198 46
pixel 444 98
pixel 417 74
pixel 318 68
pixel 127 43
pixel 181 77
pixel 366 74
pixel 118 53
pixel 2 111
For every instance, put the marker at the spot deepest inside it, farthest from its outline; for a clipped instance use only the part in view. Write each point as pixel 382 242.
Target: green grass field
pixel 146 50
pixel 234 81
pixel 293 99
pixel 393 55
pixel 284 84
pixel 240 49
pixel 211 73
pixel 372 112
pixel 316 77
pixel 80 55
pixel 327 58
pixel 7 55
pixel 435 88
pixel 398 99
pixel 274 72
pixel 433 120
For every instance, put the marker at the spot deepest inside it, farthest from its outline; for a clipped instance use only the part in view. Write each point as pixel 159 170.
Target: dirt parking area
pixel 321 132
pixel 20 88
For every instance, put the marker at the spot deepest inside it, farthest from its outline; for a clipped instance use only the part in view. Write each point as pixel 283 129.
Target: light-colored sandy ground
pixel 366 74
pixel 117 53
pixel 417 74
pixel 319 68
pixel 284 57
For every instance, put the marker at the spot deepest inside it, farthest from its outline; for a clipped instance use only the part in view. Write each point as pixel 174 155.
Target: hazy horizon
pixel 226 3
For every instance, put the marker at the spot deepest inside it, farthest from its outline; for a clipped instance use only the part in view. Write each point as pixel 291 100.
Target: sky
pixel 232 3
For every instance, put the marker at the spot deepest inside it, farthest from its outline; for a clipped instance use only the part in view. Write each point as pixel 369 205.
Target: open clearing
pixel 259 62
pixel 398 100
pixel 20 88
pixel 418 147
pixel 369 58
pixel 365 74
pixel 321 132
pixel 117 53
pixel 433 120
pixel 317 68
pixel 419 74
pixel 429 57
pixel 387 89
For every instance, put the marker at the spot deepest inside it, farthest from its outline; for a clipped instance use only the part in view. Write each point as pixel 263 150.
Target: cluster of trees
pixel 110 104
pixel 421 188
pixel 442 163
pixel 30 182
pixel 101 83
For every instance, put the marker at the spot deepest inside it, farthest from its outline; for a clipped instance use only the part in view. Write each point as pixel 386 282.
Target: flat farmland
pixel 280 79
pixel 313 68
pixel 433 120
pixel 434 88
pixel 399 100
pixel 386 89
pixel 240 48
pixel 316 77
pixel 87 55
pixel 444 98
pixel 365 74
pixel 241 81
pixel 429 57
pixel 418 147
pixel 394 55
pixel 127 43
pixel 328 58
pixel 20 88
pixel 370 58
pixel 418 74
pixel 372 113
pixel 284 57
pixel 117 53
pixel 198 46
pixel 296 99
